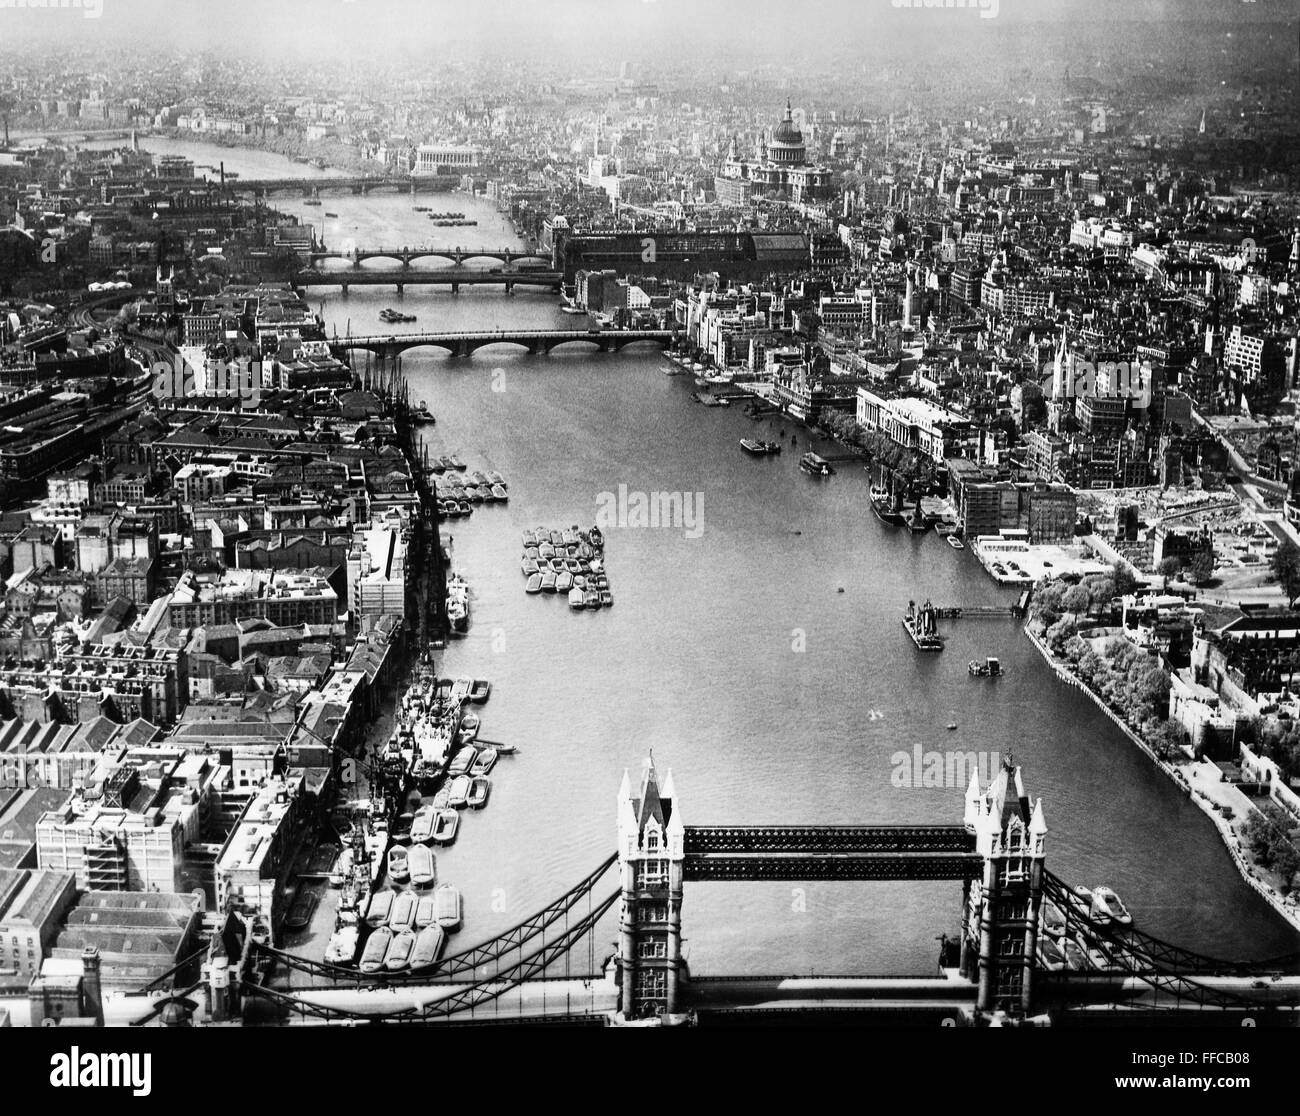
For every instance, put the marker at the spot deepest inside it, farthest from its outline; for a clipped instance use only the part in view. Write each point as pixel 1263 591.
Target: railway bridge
pixel 536 341
pixel 456 256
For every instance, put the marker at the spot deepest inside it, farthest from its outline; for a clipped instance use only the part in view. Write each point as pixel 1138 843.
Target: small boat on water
pixel 591 598
pixel 606 598
pixel 423 866
pixel 886 507
pixel 462 761
pixel 484 762
pixel 955 542
pixel 445 826
pixel 460 788
pixel 989 668
pixel 534 583
pixel 398 869
pixel 299 916
pixel 759 449
pixel 1075 958
pixel 563 582
pixel 499 493
pixel 399 952
pixel 1052 918
pixel 815 465
pixel 456 463
pixel 422 825
pixel 448 904
pixel 529 539
pixel 577 599
pixel 479 690
pixel 479 790
pixel 372 959
pixel 548 581
pixel 1050 955
pixel 425 912
pixel 1104 899
pixel 342 946
pixel 381 905
pixel 429 944
pixel 402 916
pixel 921 626
pixel 441 800
pixel 596 539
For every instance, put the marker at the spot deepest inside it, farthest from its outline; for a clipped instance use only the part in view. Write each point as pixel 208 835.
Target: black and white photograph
pixel 541 516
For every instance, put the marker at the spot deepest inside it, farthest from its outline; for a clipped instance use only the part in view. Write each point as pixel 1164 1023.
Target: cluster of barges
pixel 457 493
pixel 1059 949
pixel 570 561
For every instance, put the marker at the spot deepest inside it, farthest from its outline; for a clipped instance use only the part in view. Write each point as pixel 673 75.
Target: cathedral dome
pixel 787 144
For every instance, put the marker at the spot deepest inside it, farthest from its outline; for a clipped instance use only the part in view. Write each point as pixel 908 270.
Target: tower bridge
pixel 1005 965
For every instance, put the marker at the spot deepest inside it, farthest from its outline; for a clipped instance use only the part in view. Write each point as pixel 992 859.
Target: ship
pixel 886 507
pixel 815 465
pixel 922 626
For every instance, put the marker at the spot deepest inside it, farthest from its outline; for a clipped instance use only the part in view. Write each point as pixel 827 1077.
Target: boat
pixel 1075 958
pixel 921 625
pixel 529 539
pixel 1052 918
pixel 606 598
pixel 596 538
pixel 342 869
pixel 329 214
pixel 397 864
pixel 548 581
pixel 456 463
pixel 422 825
pixel 563 582
pixel 955 542
pixel 447 900
pixel 572 310
pixel 1050 955
pixel 379 908
pixel 422 416
pixel 299 916
pixel 916 522
pixel 399 952
pixel 425 912
pixel 462 761
pixel 441 801
pixel 815 465
pixel 989 668
pixel 402 916
pixel 484 762
pixel 577 598
pixel 342 946
pixel 1105 899
pixel 886 507
pixel 470 723
pixel 479 790
pixel 460 787
pixel 445 826
pixel 424 870
pixel 499 493
pixel 429 944
pixel 591 598
pixel 372 959
pixel 311 201
pixel 1099 957
pixel 479 690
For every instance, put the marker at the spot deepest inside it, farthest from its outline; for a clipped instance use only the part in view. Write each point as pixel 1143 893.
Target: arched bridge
pixel 355 184
pixel 405 255
pixel 453 277
pixel 534 340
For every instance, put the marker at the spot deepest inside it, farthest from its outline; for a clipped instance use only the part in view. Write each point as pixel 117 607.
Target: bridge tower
pixel 652 856
pixel 1000 926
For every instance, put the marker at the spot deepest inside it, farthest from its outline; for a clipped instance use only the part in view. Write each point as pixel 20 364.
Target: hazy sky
pixel 327 27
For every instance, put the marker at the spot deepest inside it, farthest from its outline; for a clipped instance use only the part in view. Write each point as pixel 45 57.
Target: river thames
pixel 757 650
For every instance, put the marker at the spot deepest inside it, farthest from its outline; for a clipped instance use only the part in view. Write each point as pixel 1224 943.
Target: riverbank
pixel 1284 906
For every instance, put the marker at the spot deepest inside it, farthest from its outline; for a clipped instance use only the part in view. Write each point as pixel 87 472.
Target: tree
pixel 1201 567
pixel 1077 599
pixel 1123 578
pixel 1165 738
pixel 1286 570
pixel 1059 634
pixel 1168 568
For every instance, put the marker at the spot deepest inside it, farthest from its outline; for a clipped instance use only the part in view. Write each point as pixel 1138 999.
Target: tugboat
pixel 815 465
pixel 886 507
pixel 921 625
pixel 990 668
pixel 422 416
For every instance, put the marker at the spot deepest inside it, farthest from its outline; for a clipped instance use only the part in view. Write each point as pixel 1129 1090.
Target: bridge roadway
pixel 357 184
pixel 534 340
pixel 453 277
pixel 830 852
pixel 406 254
